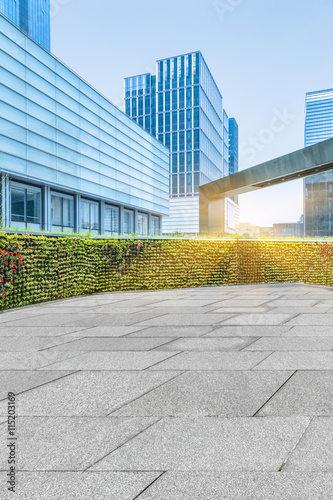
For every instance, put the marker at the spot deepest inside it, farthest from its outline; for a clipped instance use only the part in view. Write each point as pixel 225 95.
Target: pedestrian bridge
pixel 303 163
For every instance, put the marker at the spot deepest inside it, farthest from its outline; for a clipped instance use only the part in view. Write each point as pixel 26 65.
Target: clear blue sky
pixel 264 55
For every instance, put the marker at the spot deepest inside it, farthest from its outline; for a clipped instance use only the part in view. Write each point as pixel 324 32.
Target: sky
pixel 264 56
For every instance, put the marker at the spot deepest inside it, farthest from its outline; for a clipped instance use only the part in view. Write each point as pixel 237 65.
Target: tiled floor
pixel 198 394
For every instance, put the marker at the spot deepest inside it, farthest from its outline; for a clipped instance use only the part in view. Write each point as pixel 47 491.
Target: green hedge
pixel 65 267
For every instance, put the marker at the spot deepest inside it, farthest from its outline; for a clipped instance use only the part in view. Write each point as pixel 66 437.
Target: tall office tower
pixel 32 16
pixel 233 146
pixel 183 107
pixel 318 189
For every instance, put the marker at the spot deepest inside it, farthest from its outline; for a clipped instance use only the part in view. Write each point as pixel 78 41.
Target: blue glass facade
pixel 186 114
pixel 74 159
pixel 33 16
pixel 233 146
pixel 318 189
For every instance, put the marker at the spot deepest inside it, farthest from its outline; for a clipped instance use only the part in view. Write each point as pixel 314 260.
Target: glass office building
pixel 233 146
pixel 182 106
pixel 70 160
pixel 318 189
pixel 32 16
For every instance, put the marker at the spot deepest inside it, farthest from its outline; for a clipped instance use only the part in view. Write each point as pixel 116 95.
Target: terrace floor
pixel 197 394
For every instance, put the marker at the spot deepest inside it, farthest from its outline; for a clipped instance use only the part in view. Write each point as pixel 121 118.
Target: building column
pixel 121 222
pixel 150 225
pixel 136 221
pixel 46 209
pixel 5 200
pixel 101 217
pixel 77 213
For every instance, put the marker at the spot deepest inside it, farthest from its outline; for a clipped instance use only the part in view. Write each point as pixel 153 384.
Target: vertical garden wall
pixel 59 267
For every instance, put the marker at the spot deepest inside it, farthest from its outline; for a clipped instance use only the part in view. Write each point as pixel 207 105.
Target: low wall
pixel 56 268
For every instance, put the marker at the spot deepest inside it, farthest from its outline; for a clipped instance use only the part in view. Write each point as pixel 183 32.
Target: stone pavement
pixel 197 394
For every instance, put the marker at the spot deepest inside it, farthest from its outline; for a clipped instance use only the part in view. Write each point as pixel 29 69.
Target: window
pixel 147 123
pixel 128 107
pixel 196 118
pixel 189 162
pixel 160 102
pixel 174 141
pixel 111 219
pixel 128 222
pixel 174 121
pixel 175 184
pixel 167 101
pixel 155 226
pixel 197 160
pixel 167 122
pixel 62 212
pixel 189 139
pixel 181 98
pixel 196 96
pixel 174 163
pixel 140 106
pixel 25 204
pixel 181 183
pixel 189 97
pixel 181 141
pixel 181 119
pixel 147 104
pixel 196 182
pixel 197 139
pixel 134 108
pixel 89 216
pixel 182 162
pixel 160 123
pixel 188 183
pixel 174 99
pixel 167 140
pixel 189 118
pixel 142 224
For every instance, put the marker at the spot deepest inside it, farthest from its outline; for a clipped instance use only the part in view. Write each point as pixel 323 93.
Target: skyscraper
pixel 233 146
pixel 32 16
pixel 318 189
pixel 183 107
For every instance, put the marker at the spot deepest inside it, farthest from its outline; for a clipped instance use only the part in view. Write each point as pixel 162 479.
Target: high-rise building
pixel 183 107
pixel 32 16
pixel 318 189
pixel 233 146
pixel 71 160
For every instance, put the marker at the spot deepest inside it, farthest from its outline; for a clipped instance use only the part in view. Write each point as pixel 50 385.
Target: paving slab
pixel 20 381
pixel 25 344
pixel 258 319
pixel 113 344
pixel 311 331
pixel 208 344
pixel 226 394
pixel 306 393
pixel 237 444
pixel 186 320
pixel 86 394
pixel 172 331
pixel 292 344
pixel 312 319
pixel 304 360
pixel 241 486
pixel 104 331
pixel 32 360
pixel 211 361
pixel 69 444
pixel 81 485
pixel 38 331
pixel 293 302
pixel 124 360
pixel 314 452
pixel 248 331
